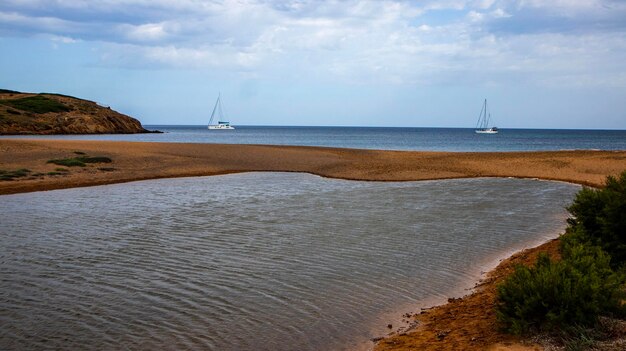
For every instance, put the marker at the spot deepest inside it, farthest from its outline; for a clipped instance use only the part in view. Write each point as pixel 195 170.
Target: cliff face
pixel 26 113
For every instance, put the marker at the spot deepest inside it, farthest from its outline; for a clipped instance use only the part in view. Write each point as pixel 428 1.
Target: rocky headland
pixel 45 114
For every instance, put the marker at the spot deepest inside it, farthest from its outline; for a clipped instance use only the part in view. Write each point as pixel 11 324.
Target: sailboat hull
pixel 220 127
pixel 487 131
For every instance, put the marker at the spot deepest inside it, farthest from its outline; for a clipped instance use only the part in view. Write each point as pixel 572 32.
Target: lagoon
pixel 254 261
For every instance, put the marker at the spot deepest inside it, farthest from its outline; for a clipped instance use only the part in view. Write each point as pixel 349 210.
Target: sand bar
pixel 140 161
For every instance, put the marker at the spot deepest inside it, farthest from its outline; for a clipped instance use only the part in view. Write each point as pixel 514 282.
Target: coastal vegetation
pixel 36 104
pixel 54 173
pixel 600 218
pixel 568 295
pixel 10 175
pixel 80 161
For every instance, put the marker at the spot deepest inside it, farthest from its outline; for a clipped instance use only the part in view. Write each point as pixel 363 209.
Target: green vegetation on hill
pixel 7 91
pixel 588 282
pixel 35 114
pixel 48 114
pixel 36 104
pixel 62 95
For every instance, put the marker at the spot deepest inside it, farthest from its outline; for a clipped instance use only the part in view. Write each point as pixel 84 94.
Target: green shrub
pixel 68 162
pixel 10 175
pixel 95 159
pixel 80 161
pixel 556 295
pixel 599 217
pixel 575 291
pixel 36 104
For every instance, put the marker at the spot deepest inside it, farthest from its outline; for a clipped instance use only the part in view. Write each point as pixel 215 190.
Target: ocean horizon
pixel 381 138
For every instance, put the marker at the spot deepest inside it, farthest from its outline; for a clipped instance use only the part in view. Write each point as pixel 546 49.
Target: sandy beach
pixel 468 323
pixel 139 161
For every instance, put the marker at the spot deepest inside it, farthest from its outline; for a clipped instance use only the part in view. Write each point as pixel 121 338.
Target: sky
pixel 540 63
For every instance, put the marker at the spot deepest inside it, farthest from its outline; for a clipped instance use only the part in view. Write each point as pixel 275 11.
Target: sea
pixel 426 139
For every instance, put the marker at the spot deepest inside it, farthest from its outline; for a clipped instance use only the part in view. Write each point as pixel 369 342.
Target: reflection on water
pixel 259 261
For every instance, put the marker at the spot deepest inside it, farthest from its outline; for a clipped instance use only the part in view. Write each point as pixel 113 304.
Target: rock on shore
pixel 29 113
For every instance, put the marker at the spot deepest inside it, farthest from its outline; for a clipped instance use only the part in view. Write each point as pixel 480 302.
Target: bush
pixel 10 175
pixel 599 217
pixel 80 161
pixel 557 294
pixel 7 91
pixel 36 104
pixel 575 291
pixel 68 162
pixel 95 159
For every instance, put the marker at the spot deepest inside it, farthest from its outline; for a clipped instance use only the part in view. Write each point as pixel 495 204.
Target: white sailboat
pixel 484 120
pixel 221 124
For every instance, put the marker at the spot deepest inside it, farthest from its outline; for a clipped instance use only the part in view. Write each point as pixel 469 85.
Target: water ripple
pixel 270 262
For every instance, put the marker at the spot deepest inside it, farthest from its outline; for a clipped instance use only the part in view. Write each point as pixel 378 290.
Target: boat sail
pixel 484 120
pixel 217 109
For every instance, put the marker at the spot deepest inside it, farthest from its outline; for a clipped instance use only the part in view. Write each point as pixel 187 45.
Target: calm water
pixel 440 139
pixel 257 261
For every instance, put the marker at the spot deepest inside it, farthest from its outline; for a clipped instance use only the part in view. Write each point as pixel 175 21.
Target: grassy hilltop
pixel 29 113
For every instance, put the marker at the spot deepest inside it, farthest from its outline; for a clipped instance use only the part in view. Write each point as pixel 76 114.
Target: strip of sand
pixel 139 161
pixel 462 324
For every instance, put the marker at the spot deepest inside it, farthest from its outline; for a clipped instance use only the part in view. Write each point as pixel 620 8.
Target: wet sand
pixel 139 161
pixel 468 323
pixel 462 324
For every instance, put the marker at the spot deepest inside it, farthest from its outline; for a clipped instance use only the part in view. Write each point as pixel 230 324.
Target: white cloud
pixel 144 32
pixel 64 40
pixel 404 42
pixel 43 24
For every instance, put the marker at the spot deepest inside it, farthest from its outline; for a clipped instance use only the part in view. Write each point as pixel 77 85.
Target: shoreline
pixel 132 161
pixel 468 322
pixel 135 161
pixel 482 275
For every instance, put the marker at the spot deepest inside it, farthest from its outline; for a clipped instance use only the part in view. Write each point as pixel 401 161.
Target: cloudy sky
pixel 540 63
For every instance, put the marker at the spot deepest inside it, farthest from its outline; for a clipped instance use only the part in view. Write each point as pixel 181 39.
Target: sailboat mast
pixel 220 111
pixel 486 120
pixel 214 108
pixel 481 116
